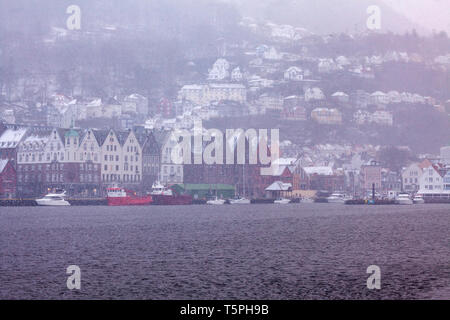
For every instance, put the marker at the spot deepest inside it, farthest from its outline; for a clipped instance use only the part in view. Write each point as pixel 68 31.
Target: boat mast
pixel 243 181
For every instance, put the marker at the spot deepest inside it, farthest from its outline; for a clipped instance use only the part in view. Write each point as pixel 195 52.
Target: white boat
pixel 240 200
pixel 418 199
pixel 336 198
pixel 53 199
pixel 216 201
pixel 282 201
pixel 307 200
pixel 404 199
pixel 159 190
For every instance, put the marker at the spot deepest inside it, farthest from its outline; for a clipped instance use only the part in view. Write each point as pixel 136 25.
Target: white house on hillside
pixel 293 74
pixel 431 181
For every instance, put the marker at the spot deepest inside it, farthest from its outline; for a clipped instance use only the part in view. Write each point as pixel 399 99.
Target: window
pixel 106 168
pixel 106 157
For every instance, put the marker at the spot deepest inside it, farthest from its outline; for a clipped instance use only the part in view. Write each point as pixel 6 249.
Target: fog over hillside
pixel 156 47
pixel 334 16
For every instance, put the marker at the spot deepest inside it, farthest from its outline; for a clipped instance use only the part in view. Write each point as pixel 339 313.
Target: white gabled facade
pixel 170 173
pixel 431 182
pixel 132 160
pixel 410 178
pixel 121 161
pixel 111 159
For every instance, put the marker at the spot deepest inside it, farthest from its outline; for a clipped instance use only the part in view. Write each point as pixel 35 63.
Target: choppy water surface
pixel 302 251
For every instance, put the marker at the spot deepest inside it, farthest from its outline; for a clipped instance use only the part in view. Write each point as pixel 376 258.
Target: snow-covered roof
pixel 340 94
pixel 95 103
pixel 323 171
pixel 285 161
pixel 227 85
pixel 11 137
pixel 192 87
pixel 3 163
pixel 279 186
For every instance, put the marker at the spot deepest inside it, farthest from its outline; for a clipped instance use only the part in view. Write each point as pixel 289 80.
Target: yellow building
pixel 205 94
pixel 326 116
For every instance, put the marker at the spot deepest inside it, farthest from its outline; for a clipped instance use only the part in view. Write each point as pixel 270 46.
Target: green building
pixel 205 191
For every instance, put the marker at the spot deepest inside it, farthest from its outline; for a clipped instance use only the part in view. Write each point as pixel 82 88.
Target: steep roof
pixel 279 186
pixel 150 145
pixel 323 171
pixel 3 164
pixel 11 137
pixel 100 135
pixel 122 136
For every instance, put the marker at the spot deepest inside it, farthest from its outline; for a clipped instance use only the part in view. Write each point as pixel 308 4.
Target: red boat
pixel 167 197
pixel 122 197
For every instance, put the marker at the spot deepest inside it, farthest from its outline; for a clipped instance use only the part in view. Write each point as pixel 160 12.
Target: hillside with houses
pixel 335 97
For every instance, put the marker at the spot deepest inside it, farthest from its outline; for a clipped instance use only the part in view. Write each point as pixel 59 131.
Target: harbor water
pixel 296 251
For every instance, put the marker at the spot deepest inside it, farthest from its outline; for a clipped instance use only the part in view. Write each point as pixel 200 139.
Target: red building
pixel 247 178
pixel 78 179
pixel 165 108
pixel 371 176
pixel 10 137
pixel 324 178
pixel 8 180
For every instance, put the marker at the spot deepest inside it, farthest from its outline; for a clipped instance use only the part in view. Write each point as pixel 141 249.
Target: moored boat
pixel 404 199
pixel 418 199
pixel 336 198
pixel 166 196
pixel 215 201
pixel 307 200
pixel 53 199
pixel 282 201
pixel 240 200
pixel 122 197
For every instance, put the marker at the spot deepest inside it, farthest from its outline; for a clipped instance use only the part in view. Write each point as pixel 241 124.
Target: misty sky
pixel 431 14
